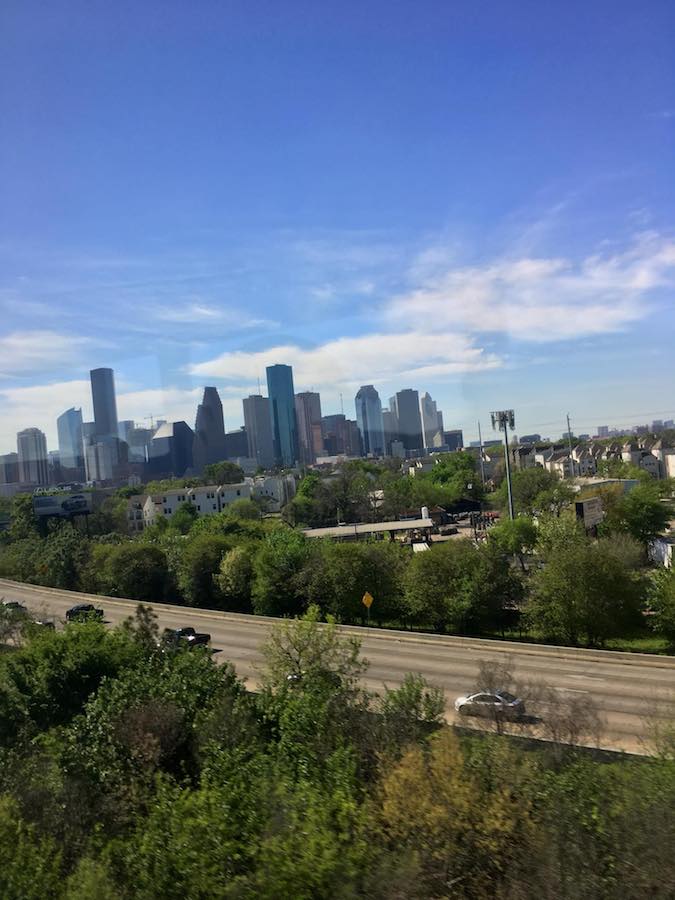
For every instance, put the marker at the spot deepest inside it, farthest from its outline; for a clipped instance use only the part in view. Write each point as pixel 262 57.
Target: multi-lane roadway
pixel 629 689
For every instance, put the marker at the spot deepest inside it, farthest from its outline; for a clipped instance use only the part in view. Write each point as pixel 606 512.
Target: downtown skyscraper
pixel 370 422
pixel 282 414
pixel 105 404
pixel 209 440
pixel 69 429
pixel 33 459
pixel 308 418
pixel 432 421
pixel 409 421
pixel 258 425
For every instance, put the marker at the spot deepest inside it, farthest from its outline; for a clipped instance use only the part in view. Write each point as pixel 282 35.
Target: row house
pixel 275 491
pixel 208 500
pixel 632 453
pixel 134 514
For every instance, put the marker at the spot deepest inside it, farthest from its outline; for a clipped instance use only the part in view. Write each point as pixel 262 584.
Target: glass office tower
pixel 282 414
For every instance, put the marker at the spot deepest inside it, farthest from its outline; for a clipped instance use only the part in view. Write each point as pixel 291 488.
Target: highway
pixel 628 688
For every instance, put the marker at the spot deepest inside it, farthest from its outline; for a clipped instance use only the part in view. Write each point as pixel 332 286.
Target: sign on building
pixel 62 505
pixel 590 511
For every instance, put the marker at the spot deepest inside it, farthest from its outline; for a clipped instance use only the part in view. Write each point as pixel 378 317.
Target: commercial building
pixel 69 429
pixel 407 403
pixel 209 436
pixel 32 456
pixel 308 417
pixel 390 428
pixel 105 405
pixel 341 436
pixel 432 422
pixel 9 468
pixel 258 425
pixel 170 450
pixel 282 414
pixel 236 444
pixel 123 429
pixel 369 420
pixel 138 441
pixel 453 439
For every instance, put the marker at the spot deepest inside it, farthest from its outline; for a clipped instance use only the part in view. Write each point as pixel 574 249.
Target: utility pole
pixel 569 441
pixel 482 461
pixel 502 419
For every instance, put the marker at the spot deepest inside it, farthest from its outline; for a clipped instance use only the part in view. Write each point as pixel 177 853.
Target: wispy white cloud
pixel 352 361
pixel 543 299
pixel 200 313
pixel 30 352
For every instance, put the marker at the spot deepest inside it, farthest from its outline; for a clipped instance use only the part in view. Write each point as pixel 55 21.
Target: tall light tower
pixel 502 419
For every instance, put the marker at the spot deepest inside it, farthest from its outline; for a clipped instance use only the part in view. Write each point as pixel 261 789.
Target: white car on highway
pixel 490 704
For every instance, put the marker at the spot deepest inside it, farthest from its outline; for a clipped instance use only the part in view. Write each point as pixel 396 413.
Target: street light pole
pixel 501 420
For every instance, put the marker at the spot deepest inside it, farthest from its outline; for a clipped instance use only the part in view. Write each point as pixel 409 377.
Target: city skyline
pixel 286 430
pixel 486 218
pixel 211 394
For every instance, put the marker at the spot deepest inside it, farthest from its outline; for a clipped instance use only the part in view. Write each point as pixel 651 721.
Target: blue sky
pixel 474 199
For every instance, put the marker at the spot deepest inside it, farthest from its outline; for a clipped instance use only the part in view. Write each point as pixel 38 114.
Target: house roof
pixel 368 528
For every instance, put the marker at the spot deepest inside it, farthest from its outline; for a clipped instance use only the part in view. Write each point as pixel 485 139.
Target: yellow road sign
pixel 367 600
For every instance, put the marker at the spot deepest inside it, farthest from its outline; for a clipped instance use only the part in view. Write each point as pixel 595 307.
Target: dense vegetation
pixel 127 772
pixel 548 580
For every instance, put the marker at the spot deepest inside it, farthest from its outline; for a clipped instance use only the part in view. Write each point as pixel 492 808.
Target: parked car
pixel 185 637
pixel 83 611
pixel 44 623
pixel 491 704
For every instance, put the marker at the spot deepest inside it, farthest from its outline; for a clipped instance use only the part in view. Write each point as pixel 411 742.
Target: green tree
pixel 641 513
pixel 24 523
pixel 535 490
pixel 63 556
pixel 461 587
pixel 515 537
pixel 457 473
pixel 29 864
pixel 110 517
pixel 662 604
pixel 223 472
pixel 184 518
pixel 199 562
pixel 143 721
pixel 134 569
pixel 243 509
pixel 278 566
pixel 20 558
pixel 584 592
pixel 48 680
pixel 337 575
pixel 235 578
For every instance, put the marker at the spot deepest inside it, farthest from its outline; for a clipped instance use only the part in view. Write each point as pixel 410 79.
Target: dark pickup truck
pixel 185 637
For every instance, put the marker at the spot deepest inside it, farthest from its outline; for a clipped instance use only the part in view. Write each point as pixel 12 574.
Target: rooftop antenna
pixel 342 405
pixel 259 391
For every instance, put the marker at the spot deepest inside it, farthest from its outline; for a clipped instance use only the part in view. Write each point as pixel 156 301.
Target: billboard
pixel 63 505
pixel 590 511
